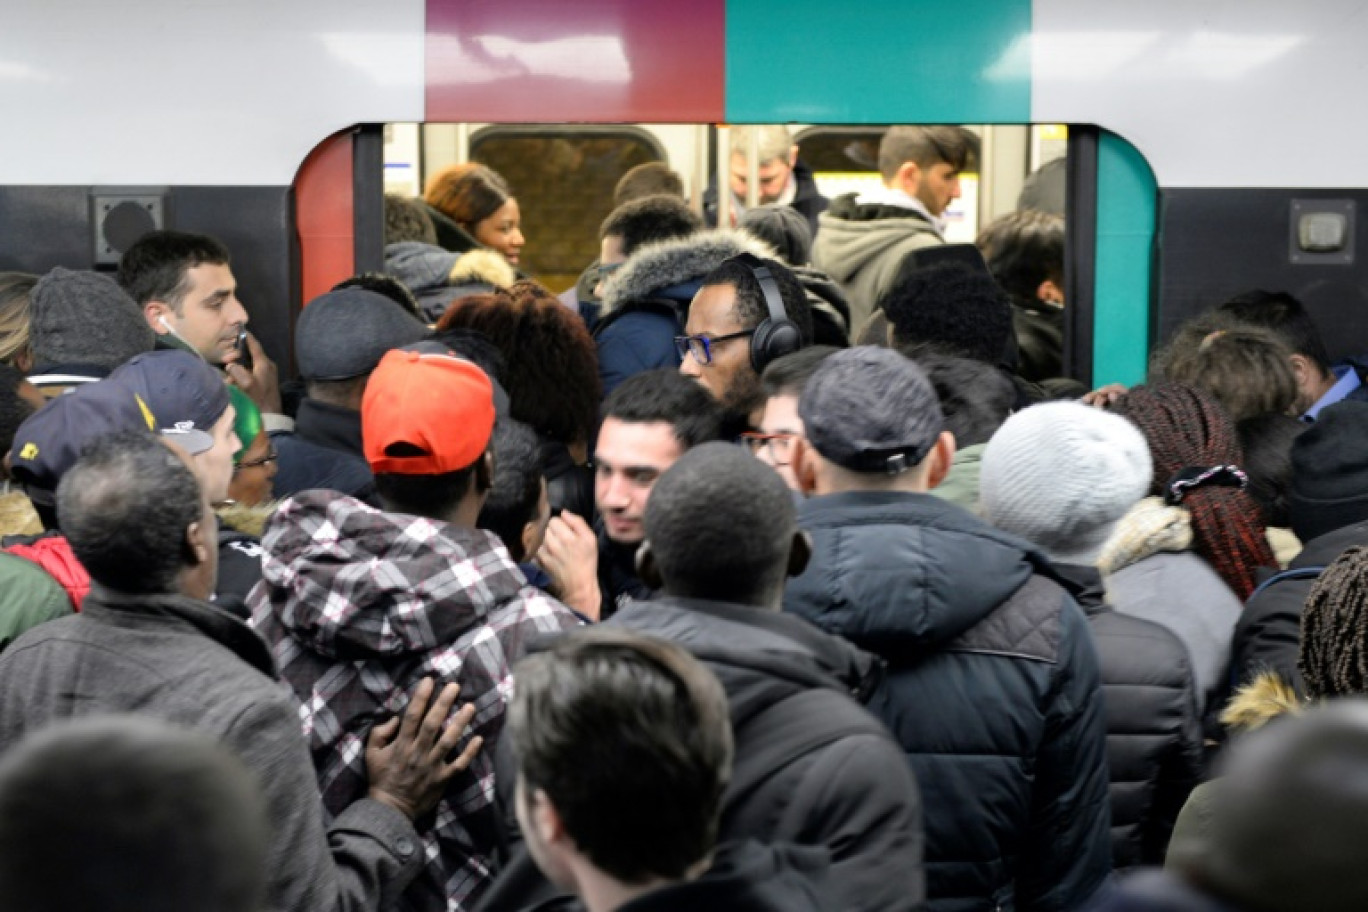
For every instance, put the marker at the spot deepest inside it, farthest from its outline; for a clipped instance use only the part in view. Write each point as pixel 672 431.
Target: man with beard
pixel 748 312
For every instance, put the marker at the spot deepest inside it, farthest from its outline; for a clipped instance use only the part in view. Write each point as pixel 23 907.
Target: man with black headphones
pixel 748 312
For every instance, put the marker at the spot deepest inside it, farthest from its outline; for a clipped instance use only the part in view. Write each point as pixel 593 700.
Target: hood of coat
pixel 852 235
pixel 759 656
pixel 1259 702
pixel 421 267
pixel 352 582
pixel 824 294
pixel 664 264
pixel 1150 527
pixel 17 516
pixel 904 572
pixel 482 267
pixel 247 519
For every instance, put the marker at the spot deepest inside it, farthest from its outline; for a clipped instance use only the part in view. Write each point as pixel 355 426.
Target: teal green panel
pixel 878 61
pixel 1126 196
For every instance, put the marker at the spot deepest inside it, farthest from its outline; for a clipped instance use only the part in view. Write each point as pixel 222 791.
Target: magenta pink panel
pixel 536 61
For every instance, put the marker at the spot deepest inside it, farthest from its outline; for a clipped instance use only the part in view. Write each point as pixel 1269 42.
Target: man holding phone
pixel 184 284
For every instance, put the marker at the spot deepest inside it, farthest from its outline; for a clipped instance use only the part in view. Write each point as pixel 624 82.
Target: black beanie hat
pixel 1329 488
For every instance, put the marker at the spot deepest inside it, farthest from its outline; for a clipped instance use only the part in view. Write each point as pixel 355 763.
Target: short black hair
pixel 667 395
pixel 720 524
pixel 630 740
pixel 953 307
pixel 788 375
pixel 651 218
pixel 648 179
pixel 518 478
pixel 975 398
pixel 386 286
pixel 432 496
pixel 155 268
pixel 751 309
pixel 1024 249
pixel 14 411
pixel 407 219
pixel 1267 444
pixel 1284 315
pixel 124 507
pixel 172 818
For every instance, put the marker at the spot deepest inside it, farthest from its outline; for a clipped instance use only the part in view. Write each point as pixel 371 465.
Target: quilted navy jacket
pixel 992 690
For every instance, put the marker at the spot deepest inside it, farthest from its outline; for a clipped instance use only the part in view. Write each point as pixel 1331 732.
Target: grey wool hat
pixel 871 410
pixel 1062 475
pixel 344 334
pixel 83 317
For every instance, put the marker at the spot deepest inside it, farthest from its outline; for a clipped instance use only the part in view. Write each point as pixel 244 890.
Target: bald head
pixel 721 526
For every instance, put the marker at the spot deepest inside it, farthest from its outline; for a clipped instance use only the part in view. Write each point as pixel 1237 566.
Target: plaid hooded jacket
pixel 358 606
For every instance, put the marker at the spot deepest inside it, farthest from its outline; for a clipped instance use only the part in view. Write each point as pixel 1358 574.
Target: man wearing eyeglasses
pixel 724 345
pixel 780 423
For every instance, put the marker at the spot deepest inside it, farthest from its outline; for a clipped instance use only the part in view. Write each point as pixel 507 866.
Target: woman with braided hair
pixel 1186 557
pixel 1334 645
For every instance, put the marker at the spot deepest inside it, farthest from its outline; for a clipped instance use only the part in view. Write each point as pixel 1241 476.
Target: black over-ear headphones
pixel 776 335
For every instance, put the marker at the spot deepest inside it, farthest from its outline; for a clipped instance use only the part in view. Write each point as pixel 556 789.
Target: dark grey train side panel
pixel 1215 243
pixel 43 226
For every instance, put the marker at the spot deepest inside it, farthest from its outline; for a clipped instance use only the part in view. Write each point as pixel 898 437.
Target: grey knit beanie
pixel 1061 475
pixel 344 334
pixel 85 318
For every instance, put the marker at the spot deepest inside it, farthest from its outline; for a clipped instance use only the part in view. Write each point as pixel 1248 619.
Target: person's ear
pixel 803 461
pixel 940 460
pixel 484 472
pixel 1307 374
pixel 800 552
pixel 1050 293
pixel 908 178
pixel 547 820
pixel 528 538
pixel 195 552
pixel 155 313
pixel 793 156
pixel 647 569
pixel 23 359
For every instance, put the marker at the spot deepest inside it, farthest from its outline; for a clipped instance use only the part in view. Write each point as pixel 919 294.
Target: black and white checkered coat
pixel 358 606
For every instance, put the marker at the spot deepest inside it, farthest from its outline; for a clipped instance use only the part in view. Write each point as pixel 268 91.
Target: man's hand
pixel 261 383
pixel 406 760
pixel 1104 396
pixel 569 555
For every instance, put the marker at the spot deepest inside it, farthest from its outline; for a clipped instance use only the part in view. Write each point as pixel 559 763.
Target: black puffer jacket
pixel 847 789
pixel 1268 635
pixel 1154 732
pixel 992 690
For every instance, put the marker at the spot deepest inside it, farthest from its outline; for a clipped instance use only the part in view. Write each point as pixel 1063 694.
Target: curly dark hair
pixel 552 377
pixel 1333 659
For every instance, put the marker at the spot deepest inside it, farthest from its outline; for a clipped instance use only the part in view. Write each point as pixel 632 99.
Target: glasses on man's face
pixel 270 457
pixel 780 446
pixel 701 347
pixel 607 269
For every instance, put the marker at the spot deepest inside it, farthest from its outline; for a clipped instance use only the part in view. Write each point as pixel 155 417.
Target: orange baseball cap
pixel 425 414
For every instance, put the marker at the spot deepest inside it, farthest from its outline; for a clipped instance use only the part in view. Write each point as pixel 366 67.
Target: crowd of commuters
pixel 773 566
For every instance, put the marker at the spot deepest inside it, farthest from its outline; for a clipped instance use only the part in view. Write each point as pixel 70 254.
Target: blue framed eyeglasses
pixel 701 346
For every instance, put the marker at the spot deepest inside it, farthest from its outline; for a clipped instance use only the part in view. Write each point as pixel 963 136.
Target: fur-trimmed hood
pixel 483 266
pixel 1259 702
pixel 664 264
pixel 247 519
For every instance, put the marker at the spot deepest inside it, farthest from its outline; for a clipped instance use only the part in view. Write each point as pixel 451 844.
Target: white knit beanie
pixel 1061 474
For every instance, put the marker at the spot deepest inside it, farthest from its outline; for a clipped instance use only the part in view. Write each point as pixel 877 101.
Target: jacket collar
pixel 127 609
pixel 329 425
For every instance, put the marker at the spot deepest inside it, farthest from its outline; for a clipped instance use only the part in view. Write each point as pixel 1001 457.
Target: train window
pixel 564 174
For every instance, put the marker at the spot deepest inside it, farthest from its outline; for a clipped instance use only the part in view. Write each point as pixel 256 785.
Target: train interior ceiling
pixel 563 175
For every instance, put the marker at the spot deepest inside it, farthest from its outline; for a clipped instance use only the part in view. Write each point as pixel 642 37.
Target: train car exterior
pixel 1205 130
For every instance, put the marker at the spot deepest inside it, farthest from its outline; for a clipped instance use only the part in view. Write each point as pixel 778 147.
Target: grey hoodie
pixel 862 246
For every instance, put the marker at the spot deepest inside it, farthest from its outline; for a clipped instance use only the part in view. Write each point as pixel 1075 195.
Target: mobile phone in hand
pixel 244 352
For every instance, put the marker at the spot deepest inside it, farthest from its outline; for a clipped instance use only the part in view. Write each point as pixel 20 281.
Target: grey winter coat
pixel 188 663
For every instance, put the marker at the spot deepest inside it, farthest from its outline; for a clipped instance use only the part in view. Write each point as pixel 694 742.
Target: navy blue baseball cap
pixel 51 440
pixel 185 395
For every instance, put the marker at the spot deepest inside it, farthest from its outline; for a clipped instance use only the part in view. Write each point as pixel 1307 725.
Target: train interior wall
pixel 47 226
